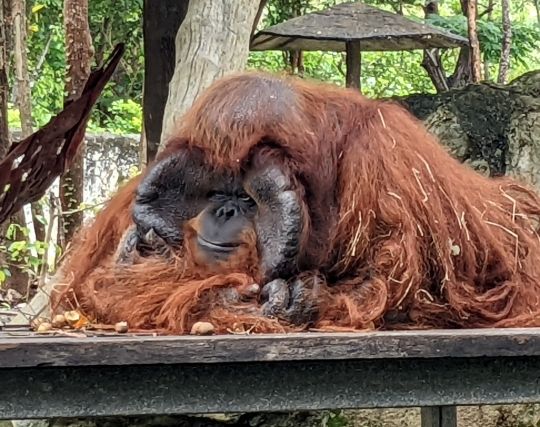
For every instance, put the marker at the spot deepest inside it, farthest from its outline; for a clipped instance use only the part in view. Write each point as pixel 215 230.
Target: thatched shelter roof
pixel 373 28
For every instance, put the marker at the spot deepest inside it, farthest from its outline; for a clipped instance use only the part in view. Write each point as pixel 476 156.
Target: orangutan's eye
pixel 244 198
pixel 217 195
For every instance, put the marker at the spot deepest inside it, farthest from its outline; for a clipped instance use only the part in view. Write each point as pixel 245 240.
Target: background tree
pixel 475 61
pixel 212 40
pixel 79 52
pixel 4 72
pixel 5 15
pixel 22 78
pixel 504 63
pixel 160 22
pixel 23 93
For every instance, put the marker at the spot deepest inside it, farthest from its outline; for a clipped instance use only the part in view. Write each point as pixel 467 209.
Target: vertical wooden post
pixel 439 416
pixel 161 21
pixel 354 60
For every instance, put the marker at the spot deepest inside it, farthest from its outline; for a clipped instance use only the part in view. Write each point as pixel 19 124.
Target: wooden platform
pixel 46 377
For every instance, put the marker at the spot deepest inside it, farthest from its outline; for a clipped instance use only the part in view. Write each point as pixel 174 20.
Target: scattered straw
pixel 382 118
pixel 416 173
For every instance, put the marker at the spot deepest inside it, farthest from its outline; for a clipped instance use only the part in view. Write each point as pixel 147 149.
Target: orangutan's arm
pixel 279 224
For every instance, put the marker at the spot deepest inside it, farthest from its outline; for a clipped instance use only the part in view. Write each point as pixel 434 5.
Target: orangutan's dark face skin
pixel 222 223
pixel 182 187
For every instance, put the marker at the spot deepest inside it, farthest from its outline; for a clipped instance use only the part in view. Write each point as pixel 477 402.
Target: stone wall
pixel 109 160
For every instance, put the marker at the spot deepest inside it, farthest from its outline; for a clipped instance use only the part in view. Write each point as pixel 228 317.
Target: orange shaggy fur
pixel 403 235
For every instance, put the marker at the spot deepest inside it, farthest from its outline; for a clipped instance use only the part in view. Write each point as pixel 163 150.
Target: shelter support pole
pixel 439 416
pixel 354 60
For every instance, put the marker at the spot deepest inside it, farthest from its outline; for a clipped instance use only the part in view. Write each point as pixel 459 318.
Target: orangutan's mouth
pixel 217 246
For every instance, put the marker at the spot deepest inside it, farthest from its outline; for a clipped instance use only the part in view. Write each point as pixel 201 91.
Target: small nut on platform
pixel 72 317
pixel 59 321
pixel 36 322
pixel 121 327
pixel 44 327
pixel 202 328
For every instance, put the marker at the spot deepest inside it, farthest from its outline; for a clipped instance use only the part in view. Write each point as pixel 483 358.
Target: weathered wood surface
pixel 18 350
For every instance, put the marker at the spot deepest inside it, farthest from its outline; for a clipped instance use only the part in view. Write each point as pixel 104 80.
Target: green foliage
pixel 525 36
pixel 379 76
pixel 21 251
pixel 524 48
pixel 336 419
pixel 14 119
pixel 5 273
pixel 46 59
pixel 110 23
pixel 123 116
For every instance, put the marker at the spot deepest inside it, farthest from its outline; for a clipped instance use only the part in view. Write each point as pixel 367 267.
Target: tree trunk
pixel 24 95
pixel 19 279
pixel 462 74
pixel 4 83
pixel 489 12
pixel 473 41
pixel 22 78
pixel 79 52
pixel 431 61
pixel 504 63
pixel 4 94
pixel 161 21
pixel 212 41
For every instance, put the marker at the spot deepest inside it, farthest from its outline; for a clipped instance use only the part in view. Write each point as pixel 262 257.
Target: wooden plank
pixel 266 386
pixel 439 416
pixel 25 351
pixel 354 64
